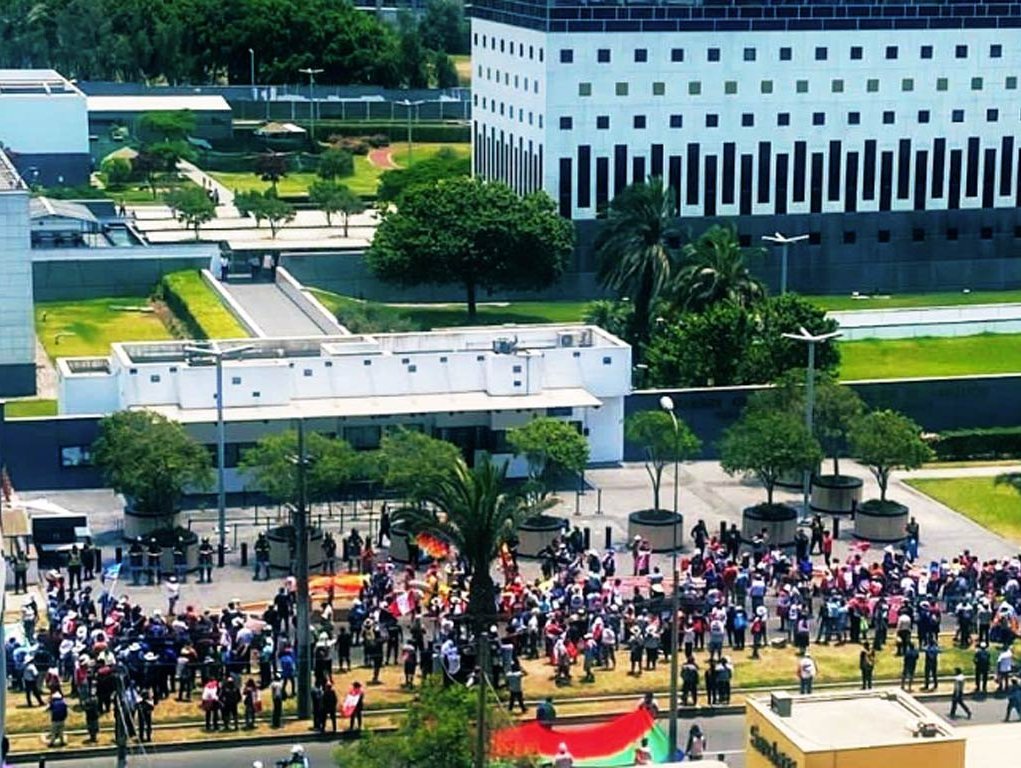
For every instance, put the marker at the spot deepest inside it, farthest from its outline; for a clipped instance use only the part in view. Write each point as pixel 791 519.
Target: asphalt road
pixel 726 735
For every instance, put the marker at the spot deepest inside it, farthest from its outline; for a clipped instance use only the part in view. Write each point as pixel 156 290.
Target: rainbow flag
pixel 606 744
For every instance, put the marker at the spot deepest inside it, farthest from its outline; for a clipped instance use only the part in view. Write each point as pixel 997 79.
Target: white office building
pixel 466 385
pixel 44 127
pixel 17 332
pixel 861 123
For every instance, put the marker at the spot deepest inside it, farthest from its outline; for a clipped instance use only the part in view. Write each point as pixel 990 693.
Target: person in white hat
pixel 563 759
pixel 172 589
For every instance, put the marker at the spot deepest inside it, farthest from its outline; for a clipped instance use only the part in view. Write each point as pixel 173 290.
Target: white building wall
pixel 17 330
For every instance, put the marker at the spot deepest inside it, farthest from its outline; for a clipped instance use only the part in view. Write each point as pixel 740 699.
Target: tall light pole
pixel 805 337
pixel 311 72
pixel 408 104
pixel 667 404
pixel 785 243
pixel 251 69
pixel 302 637
pixel 217 353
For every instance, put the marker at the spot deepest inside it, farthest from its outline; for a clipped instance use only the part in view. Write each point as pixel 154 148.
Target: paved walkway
pixel 226 207
pixel 273 311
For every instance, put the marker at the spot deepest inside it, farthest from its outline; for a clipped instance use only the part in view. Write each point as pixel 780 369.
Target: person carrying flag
pixel 352 707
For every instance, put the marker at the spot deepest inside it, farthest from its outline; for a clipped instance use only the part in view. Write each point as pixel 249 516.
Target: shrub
pixel 378 140
pixel 970 444
pixel 354 145
pixel 197 307
pixel 117 171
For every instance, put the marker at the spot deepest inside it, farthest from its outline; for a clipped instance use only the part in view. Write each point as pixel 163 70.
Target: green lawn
pixel 997 508
pixel 385 317
pixel 365 181
pixel 946 299
pixel 19 409
pixel 463 65
pixel 930 356
pixel 420 152
pixel 291 185
pixel 200 305
pixel 88 327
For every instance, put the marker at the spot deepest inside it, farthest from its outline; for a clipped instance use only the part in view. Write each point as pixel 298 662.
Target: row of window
pixel 493 43
pixel 783 119
pixel 837 85
pixel 507 80
pixel 785 53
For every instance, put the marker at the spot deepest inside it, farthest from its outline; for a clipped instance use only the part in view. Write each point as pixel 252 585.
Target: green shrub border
pixel 172 289
pixel 977 444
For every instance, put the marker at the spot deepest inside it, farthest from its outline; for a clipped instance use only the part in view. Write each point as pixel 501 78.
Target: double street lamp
pixel 667 404
pixel 409 105
pixel 218 354
pixel 785 243
pixel 311 72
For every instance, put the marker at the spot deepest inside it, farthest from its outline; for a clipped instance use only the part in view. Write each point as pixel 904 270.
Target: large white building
pixel 751 109
pixel 17 334
pixel 44 127
pixel 467 386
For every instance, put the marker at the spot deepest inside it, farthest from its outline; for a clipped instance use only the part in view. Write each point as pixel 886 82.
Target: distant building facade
pixel 17 330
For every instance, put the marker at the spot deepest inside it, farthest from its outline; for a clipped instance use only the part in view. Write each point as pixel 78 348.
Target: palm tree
pixel 633 248
pixel 715 270
pixel 474 511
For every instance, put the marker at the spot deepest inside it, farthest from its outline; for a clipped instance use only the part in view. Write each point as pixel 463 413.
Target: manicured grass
pixel 140 194
pixel 201 306
pixel 426 316
pixel 930 356
pixel 20 409
pixel 365 181
pixel 420 152
pixel 88 327
pixel 996 507
pixel 463 65
pixel 945 299
pixel 291 185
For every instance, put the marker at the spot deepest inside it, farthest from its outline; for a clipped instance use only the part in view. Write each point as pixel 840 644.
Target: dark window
pixel 883 235
pixel 712 121
pixel 854 118
pixel 891 51
pixel 995 51
pixel 749 54
pixel 939 154
pixel 821 53
pixel 1006 164
pixel 638 169
pixel 952 233
pixel 566 123
pixel 691 195
pixel 972 180
pixel 799 171
pixel 639 121
pixel 988 177
pixel 921 174
pixel 566 55
pixel 957 115
pixel 603 122
pixel 815 238
pixel 676 121
pixel 869 171
pixel 603 55
pixel 676 54
pixel 856 52
pixel 818 118
pixel 710 185
pixel 926 52
pixel 851 183
pixel 745 241
pixel 992 115
pixel 785 54
pixel 783 118
pixel 765 157
pixel 729 160
pixel 641 55
pixel 656 160
pixel 918 235
pixel 986 233
pixel 954 190
pixel 833 190
pixel 888 117
pixel 923 115
pixel 850 237
pixel 714 54
pixel 745 186
pixel 565 187
pixel 1017 232
pixel 674 176
pixel 619 168
pixel 815 183
pixel 584 175
pixel 748 120
pixel 602 182
pixel 961 51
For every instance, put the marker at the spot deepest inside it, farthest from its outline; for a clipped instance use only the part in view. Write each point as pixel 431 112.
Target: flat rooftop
pixel 157 103
pixel 45 82
pixel 855 720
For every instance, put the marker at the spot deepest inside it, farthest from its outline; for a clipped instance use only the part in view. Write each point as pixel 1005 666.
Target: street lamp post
pixel 251 69
pixel 408 104
pixel 301 566
pixel 667 404
pixel 805 337
pixel 311 72
pixel 785 243
pixel 218 354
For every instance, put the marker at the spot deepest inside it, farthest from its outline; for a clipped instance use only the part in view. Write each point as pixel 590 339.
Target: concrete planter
pixel 657 527
pixel 400 544
pixel 779 520
pixel 280 541
pixel 880 521
pixel 139 523
pixel 536 533
pixel 836 494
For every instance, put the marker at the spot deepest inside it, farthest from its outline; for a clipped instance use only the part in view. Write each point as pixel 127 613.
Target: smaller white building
pixel 466 385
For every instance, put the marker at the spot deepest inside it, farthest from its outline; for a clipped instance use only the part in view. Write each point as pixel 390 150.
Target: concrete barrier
pixel 309 304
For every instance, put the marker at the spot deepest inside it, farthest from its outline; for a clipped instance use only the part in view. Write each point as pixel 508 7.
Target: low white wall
pixel 246 320
pixel 309 304
pixel 928 321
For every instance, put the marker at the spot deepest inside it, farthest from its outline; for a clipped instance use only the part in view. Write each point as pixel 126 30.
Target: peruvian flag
pixel 350 703
pixel 402 604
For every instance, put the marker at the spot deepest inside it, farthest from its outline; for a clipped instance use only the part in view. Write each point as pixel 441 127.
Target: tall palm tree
pixel 633 248
pixel 474 511
pixel 714 270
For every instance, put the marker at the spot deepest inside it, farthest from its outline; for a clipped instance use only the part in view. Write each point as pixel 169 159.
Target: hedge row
pixel 398 131
pixel 969 444
pixel 198 308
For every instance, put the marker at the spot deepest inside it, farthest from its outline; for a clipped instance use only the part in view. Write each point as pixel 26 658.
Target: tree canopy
pixel 272 465
pixel 150 459
pixel 471 232
pixel 191 205
pixel 334 163
pixel 332 198
pixel 445 164
pixel 715 270
pixel 661 444
pixel 413 463
pixel 886 440
pixel 552 448
pixel 176 125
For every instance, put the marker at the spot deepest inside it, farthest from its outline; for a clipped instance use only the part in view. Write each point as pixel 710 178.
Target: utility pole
pixel 312 72
pixel 408 104
pixel 480 730
pixel 301 565
pixel 667 404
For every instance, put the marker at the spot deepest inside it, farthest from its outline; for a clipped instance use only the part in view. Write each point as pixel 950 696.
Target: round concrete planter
pixel 880 521
pixel 779 520
pixel 167 537
pixel 141 524
pixel 657 527
pixel 536 533
pixel 280 540
pixel 836 494
pixel 792 481
pixel 400 544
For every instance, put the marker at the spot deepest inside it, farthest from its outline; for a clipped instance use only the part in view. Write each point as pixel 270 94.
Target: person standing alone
pixel 957 697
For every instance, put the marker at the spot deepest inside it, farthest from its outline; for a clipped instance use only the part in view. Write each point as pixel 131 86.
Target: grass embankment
pixel 986 353
pixel 199 308
pixel 88 327
pixel 369 316
pixel 21 409
pixel 914 300
pixel 996 507
pixel 292 185
pixel 420 152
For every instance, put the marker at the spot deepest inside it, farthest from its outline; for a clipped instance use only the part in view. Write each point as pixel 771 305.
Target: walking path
pixel 226 208
pixel 273 311
pixel 383 158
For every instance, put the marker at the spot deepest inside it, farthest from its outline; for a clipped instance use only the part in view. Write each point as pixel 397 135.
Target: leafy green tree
pixel 444 70
pixel 331 198
pixel 177 125
pixel 768 444
pixel 412 462
pixel 473 510
pixel 616 317
pixel 160 158
pixel 116 172
pixel 272 464
pixel 334 163
pixel 277 212
pixel 715 270
pixel 473 232
pixel 412 57
pixel 151 460
pixel 552 448
pixel 661 444
pixel 703 350
pixel 271 167
pixel 192 206
pixel 444 27
pixel 886 440
pixel 445 164
pixel 772 353
pixel 635 248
